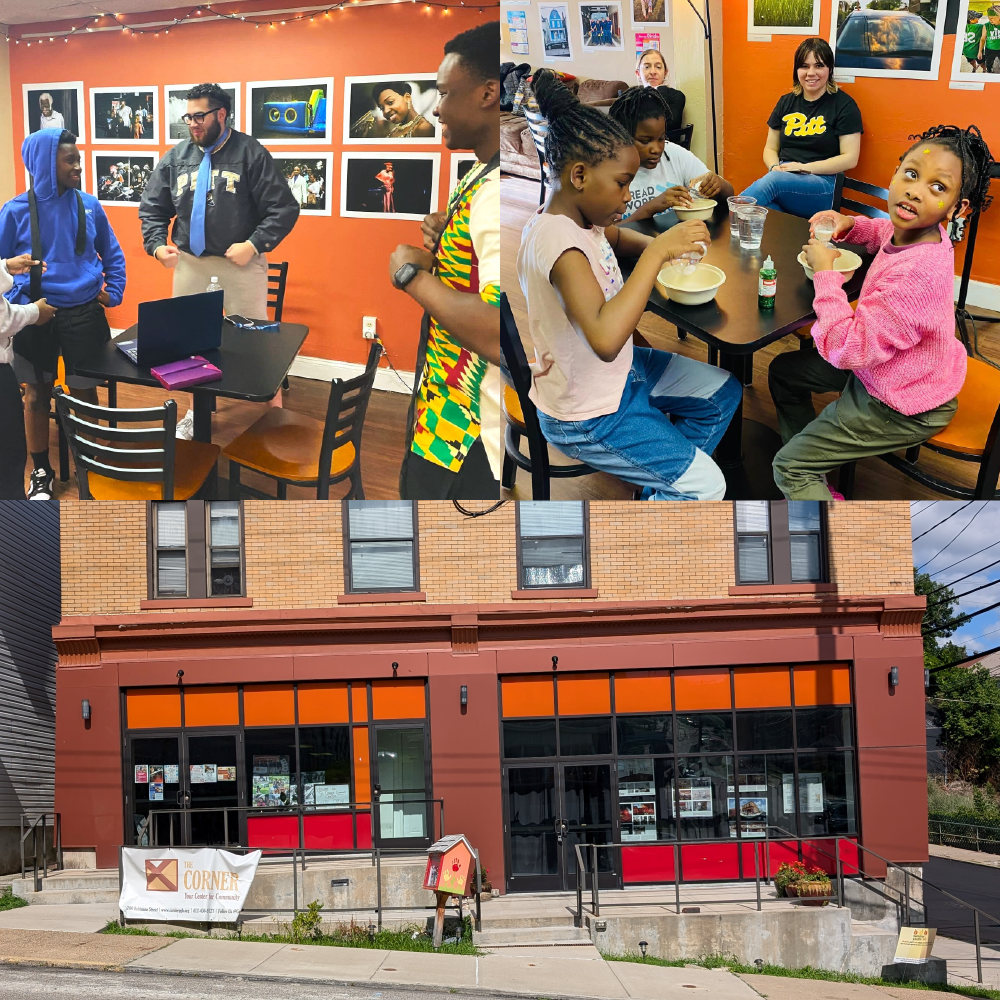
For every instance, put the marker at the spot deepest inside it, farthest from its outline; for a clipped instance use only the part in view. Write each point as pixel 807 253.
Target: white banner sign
pixel 184 883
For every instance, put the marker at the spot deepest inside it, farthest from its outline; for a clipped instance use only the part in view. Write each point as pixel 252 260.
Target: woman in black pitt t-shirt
pixel 813 133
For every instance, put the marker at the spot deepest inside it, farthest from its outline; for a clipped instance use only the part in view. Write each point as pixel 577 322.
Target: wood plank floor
pixel 875 479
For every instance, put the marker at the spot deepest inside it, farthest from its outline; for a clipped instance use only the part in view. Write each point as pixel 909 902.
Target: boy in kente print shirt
pixel 446 457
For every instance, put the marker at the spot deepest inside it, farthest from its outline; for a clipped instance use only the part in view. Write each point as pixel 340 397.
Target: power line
pixel 955 622
pixel 966 558
pixel 951 583
pixel 937 524
pixel 924 510
pixel 957 597
pixel 958 536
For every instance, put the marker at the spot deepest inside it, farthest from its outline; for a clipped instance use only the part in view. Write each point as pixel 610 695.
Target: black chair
pixel 522 420
pixel 963 317
pixel 849 184
pixel 277 277
pixel 137 461
pixel 294 448
pixel 112 388
pixel 681 136
pixel 538 126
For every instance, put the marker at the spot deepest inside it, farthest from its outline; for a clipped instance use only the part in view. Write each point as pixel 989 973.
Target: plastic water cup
pixel 751 219
pixel 734 204
pixel 823 231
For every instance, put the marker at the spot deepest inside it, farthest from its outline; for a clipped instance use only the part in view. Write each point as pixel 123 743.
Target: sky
pixel 957 531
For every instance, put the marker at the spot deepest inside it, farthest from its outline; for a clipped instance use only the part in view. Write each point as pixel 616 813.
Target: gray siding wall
pixel 29 607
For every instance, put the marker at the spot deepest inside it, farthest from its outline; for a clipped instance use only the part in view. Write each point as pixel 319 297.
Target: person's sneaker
pixel 41 484
pixel 185 426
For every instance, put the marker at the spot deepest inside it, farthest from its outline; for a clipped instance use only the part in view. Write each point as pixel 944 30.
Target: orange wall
pixel 756 74
pixel 338 268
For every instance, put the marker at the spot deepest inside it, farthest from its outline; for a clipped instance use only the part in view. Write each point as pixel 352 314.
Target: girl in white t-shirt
pixel 648 417
pixel 666 171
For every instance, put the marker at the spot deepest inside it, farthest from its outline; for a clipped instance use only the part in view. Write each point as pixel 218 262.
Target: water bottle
pixel 767 285
pixel 214 286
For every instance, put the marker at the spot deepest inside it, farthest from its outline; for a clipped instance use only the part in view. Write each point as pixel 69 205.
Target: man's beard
pixel 211 136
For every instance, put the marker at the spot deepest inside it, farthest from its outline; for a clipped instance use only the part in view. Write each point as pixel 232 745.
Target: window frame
pixel 241 551
pixel 779 547
pixel 584 584
pixel 152 555
pixel 349 588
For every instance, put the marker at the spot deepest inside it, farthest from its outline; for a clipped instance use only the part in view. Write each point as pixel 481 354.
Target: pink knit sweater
pixel 900 342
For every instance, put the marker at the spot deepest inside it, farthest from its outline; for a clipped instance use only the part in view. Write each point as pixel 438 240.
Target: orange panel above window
pixel 762 687
pixel 398 699
pixel 211 706
pixel 268 705
pixel 823 684
pixel 323 704
pixel 643 691
pixel 584 694
pixel 153 708
pixel 359 701
pixel 527 697
pixel 702 690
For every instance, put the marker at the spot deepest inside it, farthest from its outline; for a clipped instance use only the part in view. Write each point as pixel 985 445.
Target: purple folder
pixel 189 371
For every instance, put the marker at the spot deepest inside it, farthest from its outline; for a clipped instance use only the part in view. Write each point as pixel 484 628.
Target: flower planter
pixel 790 890
pixel 808 891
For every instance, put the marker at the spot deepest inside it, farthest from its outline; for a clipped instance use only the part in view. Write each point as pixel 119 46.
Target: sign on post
pixel 915 945
pixel 179 883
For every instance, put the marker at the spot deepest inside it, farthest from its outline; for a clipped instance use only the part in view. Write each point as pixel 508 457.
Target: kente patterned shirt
pixel 447 420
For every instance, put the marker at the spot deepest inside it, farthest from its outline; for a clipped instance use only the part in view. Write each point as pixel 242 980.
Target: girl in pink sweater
pixel 895 359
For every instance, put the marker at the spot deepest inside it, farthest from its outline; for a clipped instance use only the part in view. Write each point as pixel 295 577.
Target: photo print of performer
pixel 400 118
pixel 388 180
pixel 50 118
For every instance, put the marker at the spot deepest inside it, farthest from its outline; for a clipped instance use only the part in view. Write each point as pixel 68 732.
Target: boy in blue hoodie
pixel 85 272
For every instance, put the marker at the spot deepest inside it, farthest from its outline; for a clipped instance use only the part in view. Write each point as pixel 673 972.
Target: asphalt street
pixel 976 884
pixel 26 983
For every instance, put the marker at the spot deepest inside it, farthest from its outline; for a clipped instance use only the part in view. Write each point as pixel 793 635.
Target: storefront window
pixel 585 736
pixel 645 734
pixel 529 738
pixel 704 732
pixel 823 727
pixel 325 758
pixel 271 771
pixel 702 791
pixel 401 783
pixel 826 794
pixel 156 781
pixel 758 799
pixel 645 802
pixel 764 730
pixel 531 794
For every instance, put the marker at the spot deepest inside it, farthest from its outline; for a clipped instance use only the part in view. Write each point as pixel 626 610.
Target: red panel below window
pixel 364 831
pixel 700 862
pixel 329 831
pixel 770 856
pixel 851 858
pixel 648 864
pixel 821 854
pixel 273 831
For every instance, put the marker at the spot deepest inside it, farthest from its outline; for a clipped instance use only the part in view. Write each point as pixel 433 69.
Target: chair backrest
pixel 681 136
pixel 345 415
pixel 845 183
pixel 971 230
pixel 277 277
pixel 128 453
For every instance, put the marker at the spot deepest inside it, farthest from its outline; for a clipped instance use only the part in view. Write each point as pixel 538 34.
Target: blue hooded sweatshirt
pixel 70 280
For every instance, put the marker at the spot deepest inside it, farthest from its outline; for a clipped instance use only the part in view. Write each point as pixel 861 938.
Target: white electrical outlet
pixel 368 327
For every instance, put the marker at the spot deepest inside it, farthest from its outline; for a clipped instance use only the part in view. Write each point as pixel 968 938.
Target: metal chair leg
pixel 282 490
pixel 509 473
pixel 234 480
pixel 713 357
pixel 63 454
pixel 682 334
pixel 845 480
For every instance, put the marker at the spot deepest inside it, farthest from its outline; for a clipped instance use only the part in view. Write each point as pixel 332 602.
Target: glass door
pixel 587 818
pixel 155 786
pixel 401 785
pixel 210 782
pixel 534 829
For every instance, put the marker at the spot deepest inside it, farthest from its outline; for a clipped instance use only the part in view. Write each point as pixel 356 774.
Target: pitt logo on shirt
pixel 186 180
pixel 796 124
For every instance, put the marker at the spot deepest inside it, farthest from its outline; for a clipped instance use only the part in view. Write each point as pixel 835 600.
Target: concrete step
pixel 80 880
pixel 516 937
pixel 60 897
pixel 500 920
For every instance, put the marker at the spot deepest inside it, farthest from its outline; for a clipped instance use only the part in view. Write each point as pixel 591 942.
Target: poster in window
pixel 271 790
pixel 271 764
pixel 332 795
pixel 638 820
pixel 141 774
pixel 156 791
pixel 810 793
pixel 203 774
pixel 695 798
pixel 753 815
pixel 171 774
pixel 226 773
pixel 156 773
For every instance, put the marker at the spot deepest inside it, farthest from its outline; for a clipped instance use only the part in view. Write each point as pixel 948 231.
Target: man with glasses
pixel 244 209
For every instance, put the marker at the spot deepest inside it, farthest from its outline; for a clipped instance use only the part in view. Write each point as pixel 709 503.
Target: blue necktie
pixel 196 236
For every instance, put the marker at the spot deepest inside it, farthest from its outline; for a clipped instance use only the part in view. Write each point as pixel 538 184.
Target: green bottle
pixel 767 285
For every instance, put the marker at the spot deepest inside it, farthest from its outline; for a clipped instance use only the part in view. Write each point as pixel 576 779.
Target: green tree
pixel 968 701
pixel 942 612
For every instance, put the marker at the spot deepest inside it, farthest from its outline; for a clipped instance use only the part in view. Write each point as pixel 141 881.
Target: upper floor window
pixel 196 549
pixel 779 542
pixel 380 550
pixel 552 544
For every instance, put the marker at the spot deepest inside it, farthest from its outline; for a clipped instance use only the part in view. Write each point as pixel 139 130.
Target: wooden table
pixel 253 363
pixel 734 327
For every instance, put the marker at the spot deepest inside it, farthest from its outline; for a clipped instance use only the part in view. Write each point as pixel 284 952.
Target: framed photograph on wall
pixel 601 26
pixel 783 17
pixel 125 114
pixel 391 108
pixel 54 105
pixel 389 185
pixel 461 164
pixel 309 176
pixel 175 105
pixel 290 112
pixel 655 13
pixel 554 21
pixel 893 44
pixel 977 43
pixel 120 176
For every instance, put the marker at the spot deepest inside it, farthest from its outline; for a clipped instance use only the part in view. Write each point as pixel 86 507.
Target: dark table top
pixel 253 362
pixel 732 322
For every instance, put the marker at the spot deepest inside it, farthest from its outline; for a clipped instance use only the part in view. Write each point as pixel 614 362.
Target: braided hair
pixel 576 131
pixel 638 104
pixel 974 155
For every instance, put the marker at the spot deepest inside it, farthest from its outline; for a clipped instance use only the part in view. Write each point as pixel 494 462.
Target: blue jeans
pixel 796 194
pixel 640 443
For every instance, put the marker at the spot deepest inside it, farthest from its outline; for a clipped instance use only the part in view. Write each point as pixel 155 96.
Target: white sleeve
pixel 484 228
pixel 14 317
pixel 689 164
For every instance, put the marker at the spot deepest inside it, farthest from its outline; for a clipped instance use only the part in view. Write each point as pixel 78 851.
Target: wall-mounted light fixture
pixel 927 678
pixel 395 667
pixel 893 676
pixel 85 709
pixel 463 696
pixel 555 662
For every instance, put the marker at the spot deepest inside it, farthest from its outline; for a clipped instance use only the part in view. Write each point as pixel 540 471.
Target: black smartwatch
pixel 404 275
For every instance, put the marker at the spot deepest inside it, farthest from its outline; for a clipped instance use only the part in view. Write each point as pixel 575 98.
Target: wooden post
pixel 442 900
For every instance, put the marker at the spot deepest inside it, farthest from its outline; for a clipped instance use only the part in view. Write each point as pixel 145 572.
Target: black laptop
pixel 171 329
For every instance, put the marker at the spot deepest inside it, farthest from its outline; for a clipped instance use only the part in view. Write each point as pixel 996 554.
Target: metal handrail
pixel 32 831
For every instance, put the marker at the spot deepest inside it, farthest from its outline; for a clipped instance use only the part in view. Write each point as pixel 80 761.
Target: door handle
pixel 561 827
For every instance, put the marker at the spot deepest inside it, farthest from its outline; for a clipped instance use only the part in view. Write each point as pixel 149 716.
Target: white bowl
pixel 701 208
pixel 847 263
pixel 690 289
